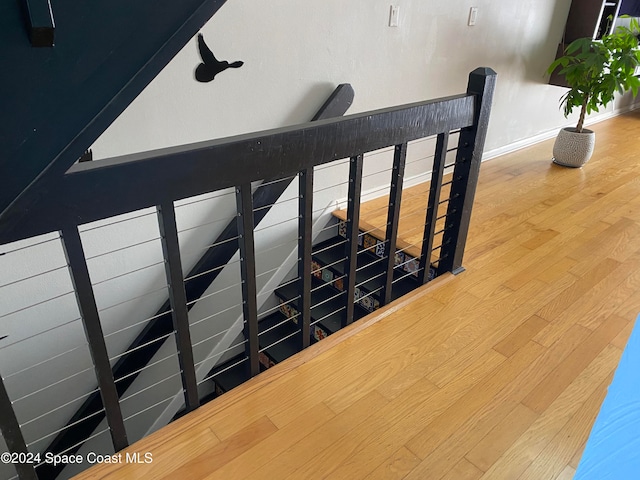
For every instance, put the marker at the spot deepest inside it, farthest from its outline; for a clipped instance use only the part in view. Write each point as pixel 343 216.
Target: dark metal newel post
pixel 178 301
pixel 393 217
pixel 248 274
pixel 305 225
pixel 482 82
pixel 93 329
pixel 353 223
pixel 432 206
pixel 13 435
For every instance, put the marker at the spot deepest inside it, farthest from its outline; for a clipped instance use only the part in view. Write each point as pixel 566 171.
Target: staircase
pixel 279 330
pixel 347 274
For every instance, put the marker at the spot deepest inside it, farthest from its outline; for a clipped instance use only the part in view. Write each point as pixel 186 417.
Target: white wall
pixel 295 53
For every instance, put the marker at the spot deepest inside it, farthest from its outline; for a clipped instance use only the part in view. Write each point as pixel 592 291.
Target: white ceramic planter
pixel 573 149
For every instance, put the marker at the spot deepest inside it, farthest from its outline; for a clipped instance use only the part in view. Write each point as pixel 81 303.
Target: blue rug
pixel 613 448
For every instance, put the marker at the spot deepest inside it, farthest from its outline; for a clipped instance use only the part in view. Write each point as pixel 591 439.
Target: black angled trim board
pixel 205 273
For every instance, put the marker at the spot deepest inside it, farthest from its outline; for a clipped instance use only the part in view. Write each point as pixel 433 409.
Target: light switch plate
pixel 473 16
pixel 394 16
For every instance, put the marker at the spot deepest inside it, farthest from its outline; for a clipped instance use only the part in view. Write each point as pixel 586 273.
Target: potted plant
pixel 594 70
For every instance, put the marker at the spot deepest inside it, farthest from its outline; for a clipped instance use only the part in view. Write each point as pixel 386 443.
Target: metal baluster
pixel 305 211
pixel 91 321
pixel 13 435
pixel 178 301
pixel 353 221
pixel 432 207
pixel 248 271
pixel 393 217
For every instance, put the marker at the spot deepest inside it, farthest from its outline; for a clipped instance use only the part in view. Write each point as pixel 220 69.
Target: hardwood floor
pixel 497 373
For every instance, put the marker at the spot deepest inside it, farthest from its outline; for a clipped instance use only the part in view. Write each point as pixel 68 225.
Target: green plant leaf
pixel 596 70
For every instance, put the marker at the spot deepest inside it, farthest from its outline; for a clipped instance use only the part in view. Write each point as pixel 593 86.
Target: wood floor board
pixel 390 360
pixel 557 381
pixel 589 313
pixel 469 419
pixel 190 444
pixel 506 375
pixel 501 437
pixel 555 456
pixel 520 336
pixel 347 455
pixel 529 445
pixel 311 449
pixel 443 458
pixel 396 467
pixel 567 473
pixel 520 269
pixel 542 259
pixel 223 452
pixel 303 393
pixel 564 299
pixel 403 417
pixel 563 215
pixel 457 289
pixel 629 208
pixel 620 340
pixel 489 326
pixel 486 282
pixel 630 307
pixel 613 290
pixel 605 299
pixel 405 379
pixel 487 239
pixel 244 464
pixel 561 266
pixel 463 470
pixel 575 460
pixel 496 373
pixel 620 245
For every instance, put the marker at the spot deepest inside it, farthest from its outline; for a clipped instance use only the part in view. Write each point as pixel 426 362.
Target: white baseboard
pixel 549 134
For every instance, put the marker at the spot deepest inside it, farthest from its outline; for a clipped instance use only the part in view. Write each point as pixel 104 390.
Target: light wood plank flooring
pixel 497 373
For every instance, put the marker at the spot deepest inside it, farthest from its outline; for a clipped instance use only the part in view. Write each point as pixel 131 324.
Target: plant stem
pixel 583 112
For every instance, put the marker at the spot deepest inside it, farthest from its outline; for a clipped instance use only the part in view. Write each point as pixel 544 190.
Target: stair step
pixel 372 239
pixel 370 275
pixel 230 377
pixel 326 307
pixel 272 329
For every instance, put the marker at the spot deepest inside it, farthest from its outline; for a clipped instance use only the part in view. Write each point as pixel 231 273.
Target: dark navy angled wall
pixel 57 100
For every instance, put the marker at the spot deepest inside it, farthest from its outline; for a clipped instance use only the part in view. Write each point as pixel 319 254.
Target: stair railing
pixel 143 348
pixel 94 191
